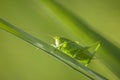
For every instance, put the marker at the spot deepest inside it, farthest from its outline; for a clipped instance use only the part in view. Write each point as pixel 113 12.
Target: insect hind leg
pixel 97 47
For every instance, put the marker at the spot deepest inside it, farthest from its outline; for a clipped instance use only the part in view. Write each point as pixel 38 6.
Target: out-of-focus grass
pixel 109 53
pixel 33 17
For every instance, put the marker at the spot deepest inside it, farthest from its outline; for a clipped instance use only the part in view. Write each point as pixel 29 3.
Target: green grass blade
pixel 51 50
pixel 109 53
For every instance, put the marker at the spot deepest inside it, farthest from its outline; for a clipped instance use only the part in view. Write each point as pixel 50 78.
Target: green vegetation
pixel 44 17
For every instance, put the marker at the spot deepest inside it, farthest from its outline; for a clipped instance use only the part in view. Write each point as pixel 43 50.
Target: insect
pixel 75 50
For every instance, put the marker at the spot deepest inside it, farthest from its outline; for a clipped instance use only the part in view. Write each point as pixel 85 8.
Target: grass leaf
pixel 51 50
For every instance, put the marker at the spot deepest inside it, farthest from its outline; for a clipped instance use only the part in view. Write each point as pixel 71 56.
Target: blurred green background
pixel 20 60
